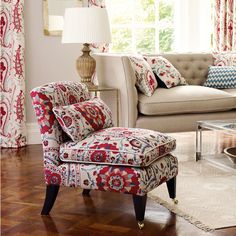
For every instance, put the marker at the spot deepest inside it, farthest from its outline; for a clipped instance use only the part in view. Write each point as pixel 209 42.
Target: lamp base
pixel 86 65
pixel 90 85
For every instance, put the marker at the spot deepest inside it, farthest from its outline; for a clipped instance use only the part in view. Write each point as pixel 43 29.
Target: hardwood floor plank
pixel 109 228
pixel 23 191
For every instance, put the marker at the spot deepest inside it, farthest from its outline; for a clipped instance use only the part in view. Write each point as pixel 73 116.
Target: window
pixel 154 26
pixel 193 25
pixel 144 26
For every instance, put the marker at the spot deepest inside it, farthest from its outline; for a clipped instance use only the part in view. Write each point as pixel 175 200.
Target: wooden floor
pixel 22 196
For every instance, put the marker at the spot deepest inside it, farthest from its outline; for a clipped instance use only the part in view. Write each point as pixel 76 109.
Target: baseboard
pixel 33 134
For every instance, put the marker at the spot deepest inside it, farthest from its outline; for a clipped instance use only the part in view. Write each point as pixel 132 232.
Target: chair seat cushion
pixel 119 146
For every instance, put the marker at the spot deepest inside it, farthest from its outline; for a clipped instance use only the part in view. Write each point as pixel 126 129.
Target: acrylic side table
pixel 225 126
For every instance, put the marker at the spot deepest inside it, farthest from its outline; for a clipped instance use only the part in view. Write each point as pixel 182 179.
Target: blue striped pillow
pixel 221 77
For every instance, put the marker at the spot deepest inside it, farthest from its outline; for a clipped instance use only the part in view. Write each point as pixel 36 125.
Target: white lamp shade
pixel 86 25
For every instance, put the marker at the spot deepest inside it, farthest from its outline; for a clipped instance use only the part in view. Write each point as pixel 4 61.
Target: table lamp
pixel 86 25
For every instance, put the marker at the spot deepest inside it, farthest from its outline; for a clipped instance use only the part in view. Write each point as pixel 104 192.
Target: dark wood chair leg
pixel 139 208
pixel 171 186
pixel 51 195
pixel 86 192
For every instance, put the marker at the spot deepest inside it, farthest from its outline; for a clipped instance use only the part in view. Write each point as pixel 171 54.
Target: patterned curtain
pixel 97 3
pixel 225 25
pixel 12 87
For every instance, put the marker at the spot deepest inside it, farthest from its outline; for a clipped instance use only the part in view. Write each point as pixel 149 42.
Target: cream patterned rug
pixel 206 194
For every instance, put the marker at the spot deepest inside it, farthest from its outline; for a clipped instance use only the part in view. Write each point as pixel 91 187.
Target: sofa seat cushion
pixel 186 99
pixel 119 146
pixel 231 91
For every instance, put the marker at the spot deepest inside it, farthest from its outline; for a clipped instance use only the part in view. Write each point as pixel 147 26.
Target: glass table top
pixel 224 125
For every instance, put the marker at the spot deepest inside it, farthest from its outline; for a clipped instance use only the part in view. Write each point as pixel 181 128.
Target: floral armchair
pixel 137 161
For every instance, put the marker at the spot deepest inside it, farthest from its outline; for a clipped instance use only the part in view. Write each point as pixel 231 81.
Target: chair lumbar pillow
pixel 116 159
pixel 80 119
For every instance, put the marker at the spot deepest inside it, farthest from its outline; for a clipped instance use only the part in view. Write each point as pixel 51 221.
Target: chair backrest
pixel 55 94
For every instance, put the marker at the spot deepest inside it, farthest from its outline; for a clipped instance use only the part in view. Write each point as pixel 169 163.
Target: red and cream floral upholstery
pixel 123 179
pixel 44 99
pixel 80 119
pixel 119 146
pixel 224 58
pixel 146 81
pixel 166 74
pixel 139 168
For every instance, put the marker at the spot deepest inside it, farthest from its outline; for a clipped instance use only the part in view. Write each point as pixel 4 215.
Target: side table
pixel 227 126
pixel 97 89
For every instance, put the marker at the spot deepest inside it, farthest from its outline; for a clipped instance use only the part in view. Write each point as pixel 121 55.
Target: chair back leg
pixel 51 195
pixel 171 186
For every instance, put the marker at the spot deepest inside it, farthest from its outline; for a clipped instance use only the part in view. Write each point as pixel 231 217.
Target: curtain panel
pixel 97 3
pixel 225 25
pixel 12 87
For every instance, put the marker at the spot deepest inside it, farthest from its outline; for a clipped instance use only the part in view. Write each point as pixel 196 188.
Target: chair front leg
pixel 139 207
pixel 171 186
pixel 51 195
pixel 86 192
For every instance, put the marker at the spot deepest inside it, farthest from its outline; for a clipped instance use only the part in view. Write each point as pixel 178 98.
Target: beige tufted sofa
pixel 167 110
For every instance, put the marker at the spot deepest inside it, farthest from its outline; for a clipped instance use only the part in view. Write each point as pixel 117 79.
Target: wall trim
pixel 33 134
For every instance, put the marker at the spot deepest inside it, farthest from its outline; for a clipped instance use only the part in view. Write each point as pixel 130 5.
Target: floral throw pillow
pixel 224 59
pixel 80 119
pixel 166 74
pixel 146 81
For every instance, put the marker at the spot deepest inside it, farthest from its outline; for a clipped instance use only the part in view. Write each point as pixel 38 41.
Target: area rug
pixel 206 195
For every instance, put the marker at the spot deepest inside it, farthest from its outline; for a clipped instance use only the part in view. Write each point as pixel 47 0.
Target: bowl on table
pixel 231 153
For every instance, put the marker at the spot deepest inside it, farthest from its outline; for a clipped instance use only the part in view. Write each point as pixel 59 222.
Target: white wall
pixel 46 58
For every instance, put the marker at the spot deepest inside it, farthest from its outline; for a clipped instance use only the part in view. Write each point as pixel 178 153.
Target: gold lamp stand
pixel 86 65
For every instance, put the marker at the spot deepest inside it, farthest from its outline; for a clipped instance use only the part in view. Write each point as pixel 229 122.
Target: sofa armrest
pixel 115 71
